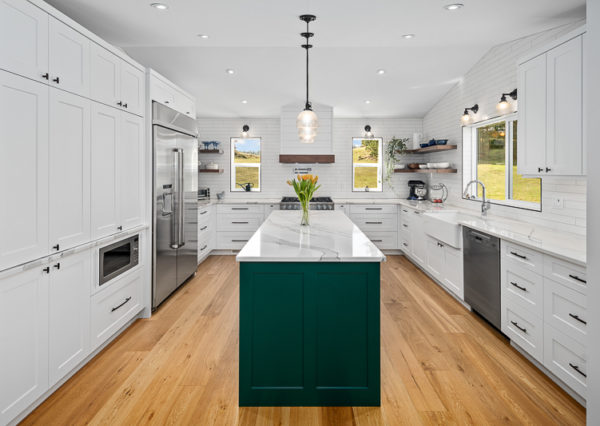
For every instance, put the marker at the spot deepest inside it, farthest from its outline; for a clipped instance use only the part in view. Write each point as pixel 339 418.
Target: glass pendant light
pixel 307 121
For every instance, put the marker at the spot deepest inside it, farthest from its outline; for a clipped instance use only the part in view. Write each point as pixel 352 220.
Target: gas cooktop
pixel 316 203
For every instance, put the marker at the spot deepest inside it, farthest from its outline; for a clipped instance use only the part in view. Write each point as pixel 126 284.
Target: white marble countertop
pixel 331 237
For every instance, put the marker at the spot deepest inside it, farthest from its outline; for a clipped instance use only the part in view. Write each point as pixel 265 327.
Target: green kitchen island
pixel 309 313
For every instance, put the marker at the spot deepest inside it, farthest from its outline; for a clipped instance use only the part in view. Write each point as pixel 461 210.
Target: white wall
pixel 336 179
pixel 494 74
pixel 592 71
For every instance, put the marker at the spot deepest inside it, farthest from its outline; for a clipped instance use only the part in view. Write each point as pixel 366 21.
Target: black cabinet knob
pixel 56 80
pixel 46 76
pixel 57 266
pixel 124 105
pixel 540 169
pixel 548 169
pixel 120 228
pixel 56 247
pixel 120 103
pixel 46 269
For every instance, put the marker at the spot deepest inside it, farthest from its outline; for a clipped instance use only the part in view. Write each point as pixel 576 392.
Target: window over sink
pixel 245 164
pixel 490 155
pixel 367 164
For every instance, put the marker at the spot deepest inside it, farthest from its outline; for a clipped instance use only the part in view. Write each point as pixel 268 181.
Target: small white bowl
pixel 422 166
pixel 431 165
pixel 399 166
pixel 444 165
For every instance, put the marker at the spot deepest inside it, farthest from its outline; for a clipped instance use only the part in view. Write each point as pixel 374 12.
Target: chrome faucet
pixel 485 205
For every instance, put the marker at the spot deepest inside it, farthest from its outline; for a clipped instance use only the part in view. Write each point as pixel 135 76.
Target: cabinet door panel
pixel 565 109
pixel 453 271
pixel 418 238
pixel 435 257
pixel 106 128
pixel 69 169
pixel 23 39
pixel 132 89
pixel 69 59
pixel 130 170
pixel 23 169
pixel 531 145
pixel 69 314
pixel 24 337
pixel 105 84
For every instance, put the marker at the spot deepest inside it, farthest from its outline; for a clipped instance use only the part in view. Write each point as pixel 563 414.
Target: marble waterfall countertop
pixel 331 237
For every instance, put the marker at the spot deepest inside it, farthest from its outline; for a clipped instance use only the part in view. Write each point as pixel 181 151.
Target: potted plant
pixel 305 186
pixel 394 149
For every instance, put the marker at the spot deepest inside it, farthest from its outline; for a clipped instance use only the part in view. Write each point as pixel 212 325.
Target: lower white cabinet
pixel 206 231
pixel 233 240
pixel 566 358
pixel 24 340
pixel 383 240
pixel 130 170
pixel 418 237
pixel 236 223
pixel 445 263
pixel 69 313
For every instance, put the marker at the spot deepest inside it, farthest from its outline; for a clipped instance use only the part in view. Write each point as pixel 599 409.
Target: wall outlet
pixel 558 203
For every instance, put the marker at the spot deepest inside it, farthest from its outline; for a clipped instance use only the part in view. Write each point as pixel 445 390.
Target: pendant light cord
pixel 307 105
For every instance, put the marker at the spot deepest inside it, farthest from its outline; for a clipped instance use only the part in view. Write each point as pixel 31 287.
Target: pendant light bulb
pixel 503 104
pixel 307 121
pixel 466 117
pixel 368 132
pixel 245 131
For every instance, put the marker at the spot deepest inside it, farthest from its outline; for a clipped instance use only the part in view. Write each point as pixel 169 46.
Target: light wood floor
pixel 440 365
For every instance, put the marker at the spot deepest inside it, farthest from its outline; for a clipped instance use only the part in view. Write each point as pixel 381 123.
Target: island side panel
pixel 309 334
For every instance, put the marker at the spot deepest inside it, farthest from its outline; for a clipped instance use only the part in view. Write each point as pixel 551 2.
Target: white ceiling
pixel 353 39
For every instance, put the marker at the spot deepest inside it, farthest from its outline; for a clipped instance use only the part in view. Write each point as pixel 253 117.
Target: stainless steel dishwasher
pixel 482 274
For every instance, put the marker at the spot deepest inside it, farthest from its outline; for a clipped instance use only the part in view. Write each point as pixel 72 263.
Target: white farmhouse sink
pixel 445 226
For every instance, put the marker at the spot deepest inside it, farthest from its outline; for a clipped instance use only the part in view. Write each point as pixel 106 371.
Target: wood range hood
pixel 295 152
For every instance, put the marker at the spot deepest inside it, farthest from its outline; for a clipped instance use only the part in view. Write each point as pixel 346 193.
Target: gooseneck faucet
pixel 485 205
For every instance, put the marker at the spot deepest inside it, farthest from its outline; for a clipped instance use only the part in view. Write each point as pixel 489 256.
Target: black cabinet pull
pixel 405 245
pixel 203 228
pixel 117 307
pixel 56 80
pixel 239 241
pixel 577 318
pixel 405 225
pixel 240 223
pixel 239 208
pixel 57 266
pixel 166 102
pixel 576 368
pixel 56 247
pixel 440 244
pixel 516 324
pixel 120 228
pixel 405 211
pixel 46 76
pixel 46 269
pixel 518 286
pixel 204 212
pixel 120 103
pixel 376 241
pixel 548 169
pixel 576 278
pixel 373 223
pixel 373 208
pixel 124 105
pixel 540 169
pixel 203 248
pixel 518 255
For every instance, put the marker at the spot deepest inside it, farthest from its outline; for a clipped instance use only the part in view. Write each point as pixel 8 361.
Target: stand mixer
pixel 417 190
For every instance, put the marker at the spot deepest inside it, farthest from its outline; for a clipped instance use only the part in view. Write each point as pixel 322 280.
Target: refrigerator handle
pixel 180 207
pixel 177 208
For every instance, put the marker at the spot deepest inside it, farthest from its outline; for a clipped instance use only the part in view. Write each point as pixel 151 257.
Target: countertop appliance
pixel 482 274
pixel 316 203
pixel 438 193
pixel 117 258
pixel 415 185
pixel 204 193
pixel 175 215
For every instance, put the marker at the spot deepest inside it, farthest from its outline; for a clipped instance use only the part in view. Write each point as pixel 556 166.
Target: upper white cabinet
pixel 551 111
pixel 24 39
pixel 130 171
pixel 69 170
pixel 166 93
pixel 24 337
pixel 23 169
pixel 132 89
pixel 69 58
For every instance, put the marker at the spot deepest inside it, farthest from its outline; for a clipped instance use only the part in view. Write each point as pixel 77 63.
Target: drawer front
pixel 524 328
pixel 205 230
pixel 566 358
pixel 240 208
pixel 384 240
pixel 566 273
pixel 404 223
pixel 112 308
pixel 245 222
pixel 565 309
pixel 379 222
pixel 523 286
pixel 527 258
pixel 232 240
pixel 205 246
pixel 373 208
pixel 204 213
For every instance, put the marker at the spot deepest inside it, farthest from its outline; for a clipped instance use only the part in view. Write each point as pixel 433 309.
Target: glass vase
pixel 305 210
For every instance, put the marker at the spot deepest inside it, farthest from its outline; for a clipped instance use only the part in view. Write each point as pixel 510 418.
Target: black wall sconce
pixel 368 133
pixel 503 104
pixel 466 117
pixel 245 131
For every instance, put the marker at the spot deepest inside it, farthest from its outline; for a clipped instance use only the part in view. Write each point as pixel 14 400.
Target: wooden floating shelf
pixel 306 159
pixel 210 151
pixel 425 171
pixel 433 148
pixel 210 170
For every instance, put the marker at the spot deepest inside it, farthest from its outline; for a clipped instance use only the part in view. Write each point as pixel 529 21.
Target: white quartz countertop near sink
pixel 331 237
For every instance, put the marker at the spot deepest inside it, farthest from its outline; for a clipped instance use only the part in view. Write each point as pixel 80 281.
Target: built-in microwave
pixel 117 258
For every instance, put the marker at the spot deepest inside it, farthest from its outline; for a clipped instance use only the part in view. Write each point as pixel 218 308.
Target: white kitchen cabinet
pixel 69 58
pixel 105 76
pixel 130 155
pixel 166 93
pixel 418 238
pixel 23 169
pixel 133 89
pixel 445 263
pixel 551 111
pixel 69 170
pixel 206 231
pixel 435 258
pixel 68 314
pixel 24 39
pixel 105 138
pixel 24 340
pixel 185 104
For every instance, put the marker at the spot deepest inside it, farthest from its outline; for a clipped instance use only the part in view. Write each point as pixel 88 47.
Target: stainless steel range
pixel 317 203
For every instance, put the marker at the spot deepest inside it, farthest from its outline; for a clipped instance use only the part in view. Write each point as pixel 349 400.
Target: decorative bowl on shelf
pixel 207 145
pixel 423 166
pixel 399 166
pixel 212 166
pixel 413 166
pixel 431 165
pixel 424 145
pixel 441 141
pixel 444 165
pixel 431 142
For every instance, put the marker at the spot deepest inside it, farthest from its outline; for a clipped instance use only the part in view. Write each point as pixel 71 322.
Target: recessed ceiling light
pixel 159 6
pixel 203 36
pixel 408 36
pixel 230 71
pixel 453 6
pixel 367 101
pixel 244 101
pixel 381 71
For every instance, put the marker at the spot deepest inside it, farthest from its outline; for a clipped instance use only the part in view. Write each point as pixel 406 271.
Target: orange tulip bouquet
pixel 305 186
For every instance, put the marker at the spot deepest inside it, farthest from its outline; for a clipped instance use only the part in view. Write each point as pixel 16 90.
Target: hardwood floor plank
pixel 440 364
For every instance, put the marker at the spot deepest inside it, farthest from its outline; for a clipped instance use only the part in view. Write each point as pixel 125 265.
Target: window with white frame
pixel 490 155
pixel 367 164
pixel 245 164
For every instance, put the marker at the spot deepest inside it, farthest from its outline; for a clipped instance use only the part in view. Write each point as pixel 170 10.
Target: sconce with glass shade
pixel 503 104
pixel 368 132
pixel 245 131
pixel 466 117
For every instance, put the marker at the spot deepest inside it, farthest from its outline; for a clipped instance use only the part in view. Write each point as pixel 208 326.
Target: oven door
pixel 117 258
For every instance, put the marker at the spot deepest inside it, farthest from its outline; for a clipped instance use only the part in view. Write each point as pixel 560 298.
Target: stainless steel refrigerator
pixel 175 236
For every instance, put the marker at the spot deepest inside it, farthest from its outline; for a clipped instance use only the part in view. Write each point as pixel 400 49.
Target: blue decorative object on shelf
pixel 207 144
pixel 431 142
pixel 424 145
pixel 441 141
